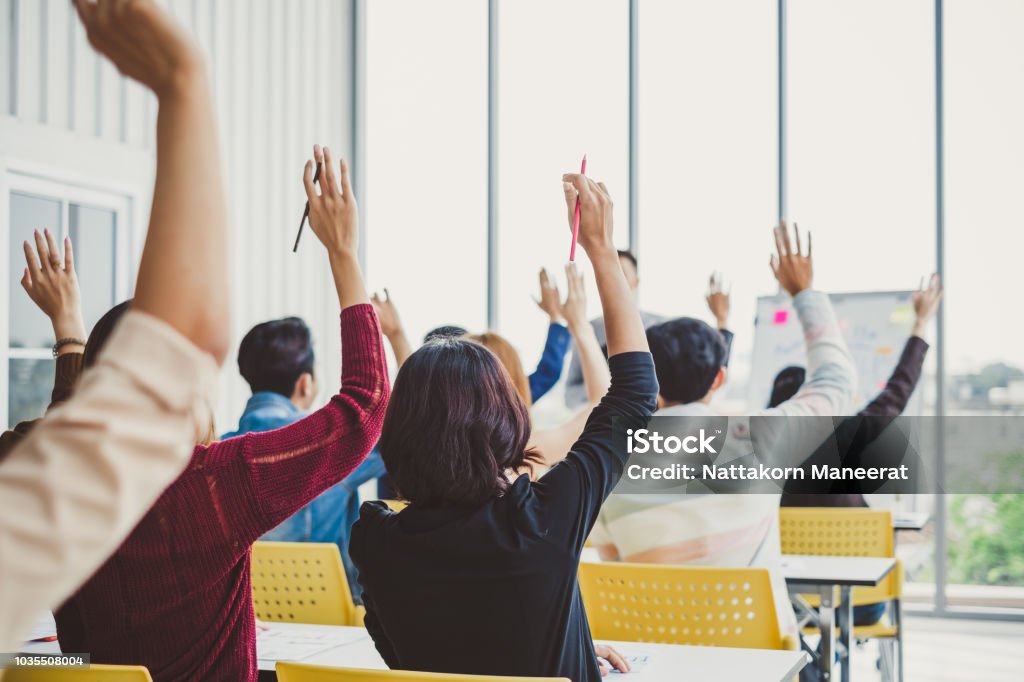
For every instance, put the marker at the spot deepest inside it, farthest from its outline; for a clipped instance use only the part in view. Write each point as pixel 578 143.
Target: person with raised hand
pixel 888 404
pixel 719 300
pixel 557 342
pixel 479 557
pixel 391 326
pixel 53 287
pixel 733 530
pixel 854 436
pixel 78 483
pixel 188 560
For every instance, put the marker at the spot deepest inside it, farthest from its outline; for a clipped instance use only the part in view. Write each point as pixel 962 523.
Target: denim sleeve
pixel 549 369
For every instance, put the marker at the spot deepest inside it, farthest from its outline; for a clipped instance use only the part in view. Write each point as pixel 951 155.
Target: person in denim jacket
pixel 276 359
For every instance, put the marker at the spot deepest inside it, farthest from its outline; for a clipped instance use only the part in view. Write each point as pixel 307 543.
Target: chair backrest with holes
pixel 730 607
pixel 300 582
pixel 396 505
pixel 843 531
pixel 94 673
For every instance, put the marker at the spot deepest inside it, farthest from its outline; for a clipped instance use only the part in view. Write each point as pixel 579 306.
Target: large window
pixel 562 91
pixel 96 223
pixel 984 240
pixel 861 122
pixel 860 173
pixel 707 160
pixel 426 212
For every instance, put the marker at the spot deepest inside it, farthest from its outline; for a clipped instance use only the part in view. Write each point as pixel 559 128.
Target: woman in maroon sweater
pixel 176 597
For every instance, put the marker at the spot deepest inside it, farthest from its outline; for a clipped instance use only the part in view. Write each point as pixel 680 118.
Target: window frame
pixel 56 185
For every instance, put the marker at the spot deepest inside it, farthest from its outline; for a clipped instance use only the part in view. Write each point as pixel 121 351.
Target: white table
pixel 352 647
pixel 823 575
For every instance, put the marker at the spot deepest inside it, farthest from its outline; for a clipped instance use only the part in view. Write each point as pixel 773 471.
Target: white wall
pixel 281 74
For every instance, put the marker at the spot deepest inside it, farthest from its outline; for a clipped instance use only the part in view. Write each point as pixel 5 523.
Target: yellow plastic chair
pixel 730 607
pixel 396 505
pixel 301 672
pixel 301 582
pixel 94 673
pixel 839 531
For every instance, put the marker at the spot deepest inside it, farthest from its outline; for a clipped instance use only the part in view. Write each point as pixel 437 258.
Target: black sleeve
pixel 856 436
pixel 893 399
pixel 380 640
pixel 569 497
pixel 357 544
pixel 727 337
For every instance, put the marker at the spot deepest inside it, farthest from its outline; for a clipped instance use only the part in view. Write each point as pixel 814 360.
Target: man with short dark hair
pixel 718 302
pixel 276 359
pixel 730 530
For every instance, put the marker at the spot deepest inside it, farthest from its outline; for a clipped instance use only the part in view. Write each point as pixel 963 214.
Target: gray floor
pixel 940 650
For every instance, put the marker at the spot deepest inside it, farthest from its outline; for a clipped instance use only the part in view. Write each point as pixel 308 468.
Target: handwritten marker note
pixel 884 350
pixel 781 317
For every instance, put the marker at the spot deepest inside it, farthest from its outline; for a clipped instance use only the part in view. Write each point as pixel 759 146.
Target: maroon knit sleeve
pixel 273 474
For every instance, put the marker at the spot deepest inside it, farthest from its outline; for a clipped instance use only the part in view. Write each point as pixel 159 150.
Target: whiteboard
pixel 876 326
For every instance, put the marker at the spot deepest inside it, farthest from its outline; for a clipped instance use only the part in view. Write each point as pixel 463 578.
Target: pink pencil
pixel 576 216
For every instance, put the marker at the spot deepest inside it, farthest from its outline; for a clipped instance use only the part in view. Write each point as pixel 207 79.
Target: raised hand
pixel 793 269
pixel 550 299
pixel 574 307
pixel 595 211
pixel 623 327
pixel 333 215
pixel 391 326
pixel 142 41
pixel 718 299
pixel 387 313
pixel 53 286
pixel 926 303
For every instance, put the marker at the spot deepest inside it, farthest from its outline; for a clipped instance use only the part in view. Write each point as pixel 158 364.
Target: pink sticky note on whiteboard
pixel 781 317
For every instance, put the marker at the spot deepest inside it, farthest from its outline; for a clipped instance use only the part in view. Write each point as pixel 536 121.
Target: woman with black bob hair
pixel 478 574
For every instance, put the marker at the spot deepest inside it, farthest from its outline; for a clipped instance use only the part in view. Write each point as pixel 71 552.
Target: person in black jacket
pixel 880 412
pixel 478 574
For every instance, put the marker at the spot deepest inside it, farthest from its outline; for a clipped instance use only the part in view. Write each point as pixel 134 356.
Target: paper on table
pixel 293 645
pixel 792 562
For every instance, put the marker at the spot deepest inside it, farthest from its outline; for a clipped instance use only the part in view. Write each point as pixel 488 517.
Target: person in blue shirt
pixel 276 359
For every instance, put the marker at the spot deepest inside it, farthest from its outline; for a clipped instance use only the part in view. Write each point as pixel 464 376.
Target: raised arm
pixel 596 378
pixel 831 375
pixel 892 400
pixel 184 278
pixel 553 443
pixel 391 326
pixel 281 471
pixel 571 494
pixel 719 302
pixel 556 344
pixel 623 328
pixel 53 287
pixel 72 490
